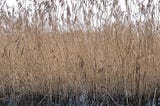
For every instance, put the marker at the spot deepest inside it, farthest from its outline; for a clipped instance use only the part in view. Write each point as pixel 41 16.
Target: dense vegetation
pixel 44 61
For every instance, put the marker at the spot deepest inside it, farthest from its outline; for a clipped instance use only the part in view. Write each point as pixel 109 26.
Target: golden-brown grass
pixel 110 61
pixel 118 60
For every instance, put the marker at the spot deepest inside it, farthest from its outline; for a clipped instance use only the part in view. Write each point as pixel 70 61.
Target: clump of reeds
pixel 119 60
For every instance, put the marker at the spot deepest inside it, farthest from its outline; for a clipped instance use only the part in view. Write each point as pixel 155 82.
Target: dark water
pixel 78 100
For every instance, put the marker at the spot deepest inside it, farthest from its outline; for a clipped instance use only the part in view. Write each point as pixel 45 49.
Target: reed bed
pixel 117 64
